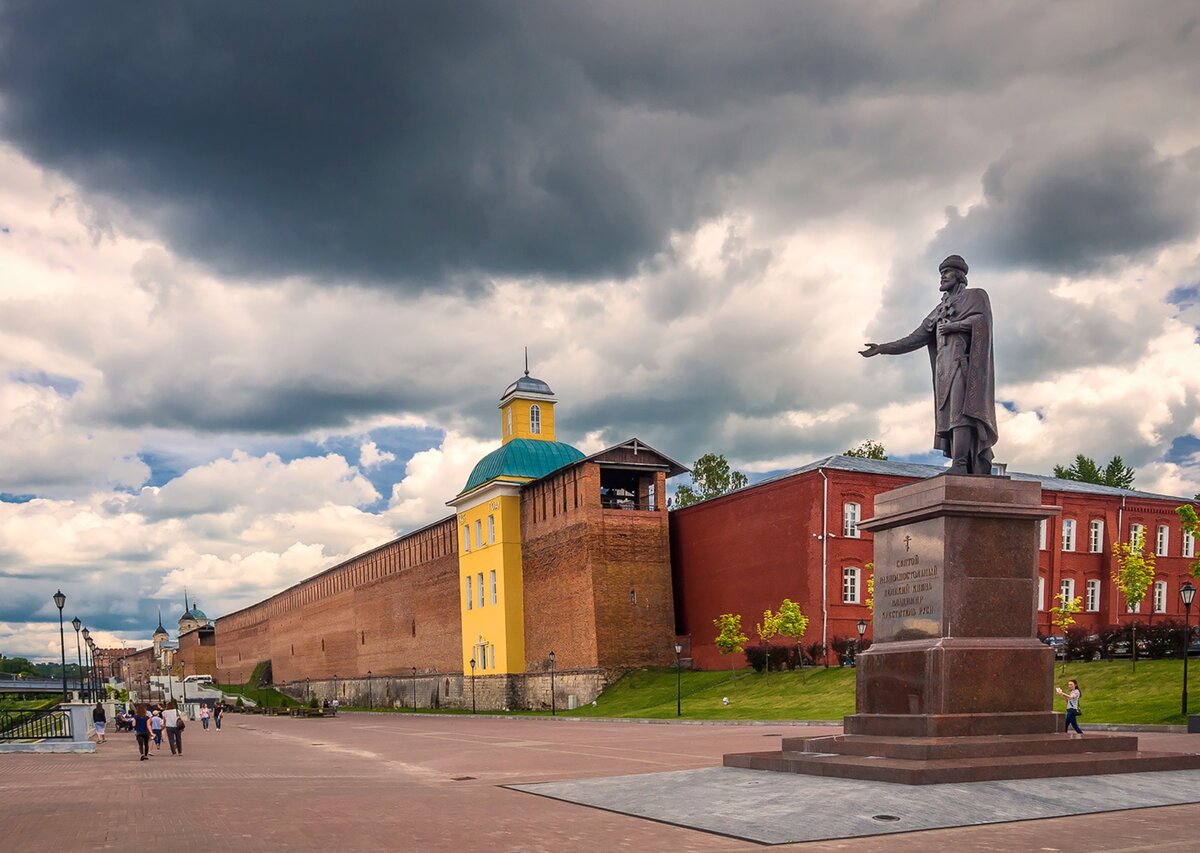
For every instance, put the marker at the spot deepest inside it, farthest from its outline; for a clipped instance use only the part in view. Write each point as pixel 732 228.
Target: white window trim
pixel 482 592
pixel 470 594
pixel 851 512
pixel 1068 534
pixel 535 419
pixel 478 533
pixel 1137 533
pixel 1095 536
pixel 491 530
pixel 492 579
pixel 851 575
pixel 1066 587
pixel 1041 593
pixel 1162 539
pixel 1091 602
pixel 1160 597
pixel 1189 544
pixel 466 539
pixel 1042 537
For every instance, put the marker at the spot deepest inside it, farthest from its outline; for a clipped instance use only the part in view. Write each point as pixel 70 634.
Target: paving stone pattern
pixel 431 783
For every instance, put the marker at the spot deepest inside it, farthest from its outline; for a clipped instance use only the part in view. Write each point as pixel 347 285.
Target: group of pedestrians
pixel 150 722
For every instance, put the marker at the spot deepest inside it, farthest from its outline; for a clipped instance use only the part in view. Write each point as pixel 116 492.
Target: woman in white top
pixel 173 722
pixel 1072 697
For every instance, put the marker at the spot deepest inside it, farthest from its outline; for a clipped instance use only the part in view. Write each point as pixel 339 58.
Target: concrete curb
pixel 50 746
pixel 668 721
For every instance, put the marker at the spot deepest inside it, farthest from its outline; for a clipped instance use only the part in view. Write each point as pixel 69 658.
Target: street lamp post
pixel 87 659
pixel 472 685
pixel 335 685
pixel 678 685
pixel 1187 592
pixel 414 677
pixel 183 673
pixel 76 624
pixel 59 601
pixel 862 629
pixel 370 694
pixel 553 704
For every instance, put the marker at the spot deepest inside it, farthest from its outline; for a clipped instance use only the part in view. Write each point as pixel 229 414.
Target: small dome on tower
pixel 529 385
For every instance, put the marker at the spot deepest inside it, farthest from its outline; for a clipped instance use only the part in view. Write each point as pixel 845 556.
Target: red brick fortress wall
pixel 386 611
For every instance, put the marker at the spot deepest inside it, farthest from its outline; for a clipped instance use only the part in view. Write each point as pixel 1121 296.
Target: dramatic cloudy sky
pixel 265 268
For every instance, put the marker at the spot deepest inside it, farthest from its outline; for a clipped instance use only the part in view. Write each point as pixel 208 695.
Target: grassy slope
pixel 264 696
pixel 1112 693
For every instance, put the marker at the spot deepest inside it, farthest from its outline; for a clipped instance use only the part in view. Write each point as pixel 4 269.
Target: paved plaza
pixel 426 782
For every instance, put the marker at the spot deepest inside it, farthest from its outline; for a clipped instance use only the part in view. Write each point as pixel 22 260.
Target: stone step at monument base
pixel 930 761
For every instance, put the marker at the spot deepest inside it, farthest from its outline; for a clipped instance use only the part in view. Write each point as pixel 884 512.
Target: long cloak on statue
pixel 964 376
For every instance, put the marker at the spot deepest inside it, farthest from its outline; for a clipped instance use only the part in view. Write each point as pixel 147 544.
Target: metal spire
pixel 526 361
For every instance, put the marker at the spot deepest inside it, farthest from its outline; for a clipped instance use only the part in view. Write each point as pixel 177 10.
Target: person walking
pixel 173 723
pixel 1071 694
pixel 141 729
pixel 204 714
pixel 100 721
pixel 156 727
pixel 218 713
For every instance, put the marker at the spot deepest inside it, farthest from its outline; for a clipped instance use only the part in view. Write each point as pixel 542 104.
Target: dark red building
pixel 796 536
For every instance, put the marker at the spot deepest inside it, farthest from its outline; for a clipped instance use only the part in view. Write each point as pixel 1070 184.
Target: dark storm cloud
pixel 433 143
pixel 1074 209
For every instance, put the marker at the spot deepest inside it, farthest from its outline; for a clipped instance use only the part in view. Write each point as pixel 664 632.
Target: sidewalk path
pixel 431 783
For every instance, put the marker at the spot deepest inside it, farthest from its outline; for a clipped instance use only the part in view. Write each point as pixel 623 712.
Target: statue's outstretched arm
pixel 920 337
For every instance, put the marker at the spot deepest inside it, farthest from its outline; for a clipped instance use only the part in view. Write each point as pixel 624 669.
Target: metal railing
pixel 45 724
pixel 627 503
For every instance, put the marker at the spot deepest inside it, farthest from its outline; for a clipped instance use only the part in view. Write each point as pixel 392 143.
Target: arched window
pixel 535 419
pixel 850 586
pixel 508 410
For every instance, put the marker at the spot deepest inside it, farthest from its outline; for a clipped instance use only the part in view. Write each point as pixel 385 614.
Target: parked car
pixel 1059 644
pixel 1121 649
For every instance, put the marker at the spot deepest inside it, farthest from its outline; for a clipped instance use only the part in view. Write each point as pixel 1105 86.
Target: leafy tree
pixel 711 477
pixel 867 450
pixel 730 638
pixel 792 622
pixel 1190 524
pixel 767 630
pixel 1133 572
pixel 1085 470
pixel 869 600
pixel 1062 616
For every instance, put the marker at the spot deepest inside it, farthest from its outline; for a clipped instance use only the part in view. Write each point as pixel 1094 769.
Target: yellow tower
pixel 489 527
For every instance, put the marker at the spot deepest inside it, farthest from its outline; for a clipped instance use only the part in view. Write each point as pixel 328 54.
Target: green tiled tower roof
pixel 522 457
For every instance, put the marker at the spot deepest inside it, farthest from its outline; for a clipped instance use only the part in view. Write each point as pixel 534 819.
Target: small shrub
pixel 239 703
pixel 1080 644
pixel 1162 638
pixel 816 654
pixel 757 656
pixel 312 700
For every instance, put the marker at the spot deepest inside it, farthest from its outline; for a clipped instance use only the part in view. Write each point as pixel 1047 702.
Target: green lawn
pixel 265 696
pixel 28 704
pixel 1112 693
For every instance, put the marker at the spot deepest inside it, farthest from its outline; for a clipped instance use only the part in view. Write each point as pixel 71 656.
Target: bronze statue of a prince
pixel 958 336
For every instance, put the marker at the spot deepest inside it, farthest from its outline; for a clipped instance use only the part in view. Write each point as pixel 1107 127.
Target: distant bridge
pixel 35 685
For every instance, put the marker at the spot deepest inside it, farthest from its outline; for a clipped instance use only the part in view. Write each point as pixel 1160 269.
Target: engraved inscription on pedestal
pixel 909 577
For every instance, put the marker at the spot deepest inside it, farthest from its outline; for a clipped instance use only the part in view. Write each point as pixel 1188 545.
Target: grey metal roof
pixel 529 384
pixel 923 472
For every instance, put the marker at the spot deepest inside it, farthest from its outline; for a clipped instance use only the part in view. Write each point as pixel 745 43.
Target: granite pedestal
pixel 956 687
